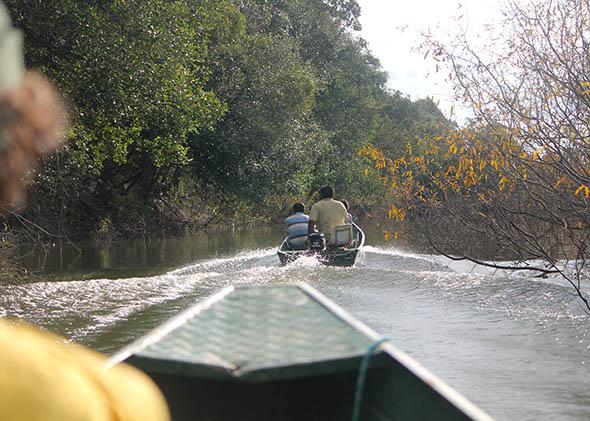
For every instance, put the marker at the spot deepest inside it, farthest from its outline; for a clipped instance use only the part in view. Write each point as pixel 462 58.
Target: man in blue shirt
pixel 297 226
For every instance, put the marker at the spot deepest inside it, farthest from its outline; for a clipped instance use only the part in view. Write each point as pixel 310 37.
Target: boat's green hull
pixel 284 353
pixel 339 256
pixel 317 398
pixel 330 258
pixel 392 392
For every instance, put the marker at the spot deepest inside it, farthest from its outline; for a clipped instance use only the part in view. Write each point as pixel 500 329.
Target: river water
pixel 516 346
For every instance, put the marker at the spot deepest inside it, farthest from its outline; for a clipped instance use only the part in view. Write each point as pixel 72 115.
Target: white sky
pixel 392 28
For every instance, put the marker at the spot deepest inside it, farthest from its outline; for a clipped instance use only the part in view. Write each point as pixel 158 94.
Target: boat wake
pixel 468 267
pixel 84 310
pixel 89 311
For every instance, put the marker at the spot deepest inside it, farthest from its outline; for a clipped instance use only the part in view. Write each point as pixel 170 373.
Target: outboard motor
pixel 317 241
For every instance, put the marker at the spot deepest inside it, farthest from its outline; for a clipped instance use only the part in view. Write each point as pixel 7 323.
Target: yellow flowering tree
pixel 483 192
pixel 515 183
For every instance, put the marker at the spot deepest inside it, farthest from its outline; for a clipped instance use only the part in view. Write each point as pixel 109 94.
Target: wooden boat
pixel 285 352
pixel 333 256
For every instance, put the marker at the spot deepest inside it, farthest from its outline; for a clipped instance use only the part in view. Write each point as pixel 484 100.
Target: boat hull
pixel 317 398
pixel 347 258
pixel 285 352
pixel 339 256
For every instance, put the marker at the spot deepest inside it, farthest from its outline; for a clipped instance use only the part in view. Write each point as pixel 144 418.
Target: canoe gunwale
pixel 448 393
pixel 162 330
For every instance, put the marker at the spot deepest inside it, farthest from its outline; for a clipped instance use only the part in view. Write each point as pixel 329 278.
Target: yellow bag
pixel 44 378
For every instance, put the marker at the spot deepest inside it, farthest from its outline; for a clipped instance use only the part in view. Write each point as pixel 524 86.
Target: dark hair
pixel 345 203
pixel 298 207
pixel 327 192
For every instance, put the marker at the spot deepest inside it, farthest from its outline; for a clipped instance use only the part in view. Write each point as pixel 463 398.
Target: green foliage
pixel 237 106
pixel 262 144
pixel 134 72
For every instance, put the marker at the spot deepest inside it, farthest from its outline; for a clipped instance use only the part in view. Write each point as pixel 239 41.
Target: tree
pixel 223 108
pixel 263 145
pixel 517 178
pixel 134 74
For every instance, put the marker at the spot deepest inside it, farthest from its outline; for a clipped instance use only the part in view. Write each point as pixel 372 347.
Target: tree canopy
pixel 214 107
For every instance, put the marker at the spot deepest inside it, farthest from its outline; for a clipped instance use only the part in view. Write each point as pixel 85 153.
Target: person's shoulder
pixel 334 202
pixel 297 217
pixel 313 213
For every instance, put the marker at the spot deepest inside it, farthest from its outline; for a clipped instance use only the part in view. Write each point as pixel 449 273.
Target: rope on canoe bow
pixel 360 381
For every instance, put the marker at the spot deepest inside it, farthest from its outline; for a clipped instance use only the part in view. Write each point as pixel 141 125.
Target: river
pixel 516 346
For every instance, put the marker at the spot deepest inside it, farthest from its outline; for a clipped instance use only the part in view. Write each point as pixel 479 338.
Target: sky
pixel 393 27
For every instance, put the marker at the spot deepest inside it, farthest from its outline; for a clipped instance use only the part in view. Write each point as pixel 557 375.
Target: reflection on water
pixel 141 256
pixel 518 347
pixel 144 257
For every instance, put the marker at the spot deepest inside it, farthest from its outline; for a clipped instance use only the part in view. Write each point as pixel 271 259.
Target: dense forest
pixel 194 112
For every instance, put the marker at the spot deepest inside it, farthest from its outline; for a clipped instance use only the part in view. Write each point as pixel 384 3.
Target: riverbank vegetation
pixel 189 113
pixel 514 183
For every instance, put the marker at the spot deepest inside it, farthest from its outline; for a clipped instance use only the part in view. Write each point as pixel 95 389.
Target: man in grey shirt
pixel 297 226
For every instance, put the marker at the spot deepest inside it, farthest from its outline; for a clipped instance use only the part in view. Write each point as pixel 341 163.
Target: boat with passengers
pixel 349 239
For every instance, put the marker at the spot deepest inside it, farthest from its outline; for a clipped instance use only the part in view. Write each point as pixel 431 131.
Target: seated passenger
pixel 326 214
pixel 297 227
pixel 348 215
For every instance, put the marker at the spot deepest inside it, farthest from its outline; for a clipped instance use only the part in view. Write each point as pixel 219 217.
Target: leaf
pixel 583 188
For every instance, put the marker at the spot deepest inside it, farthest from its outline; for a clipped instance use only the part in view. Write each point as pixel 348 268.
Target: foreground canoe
pixel 337 256
pixel 285 352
